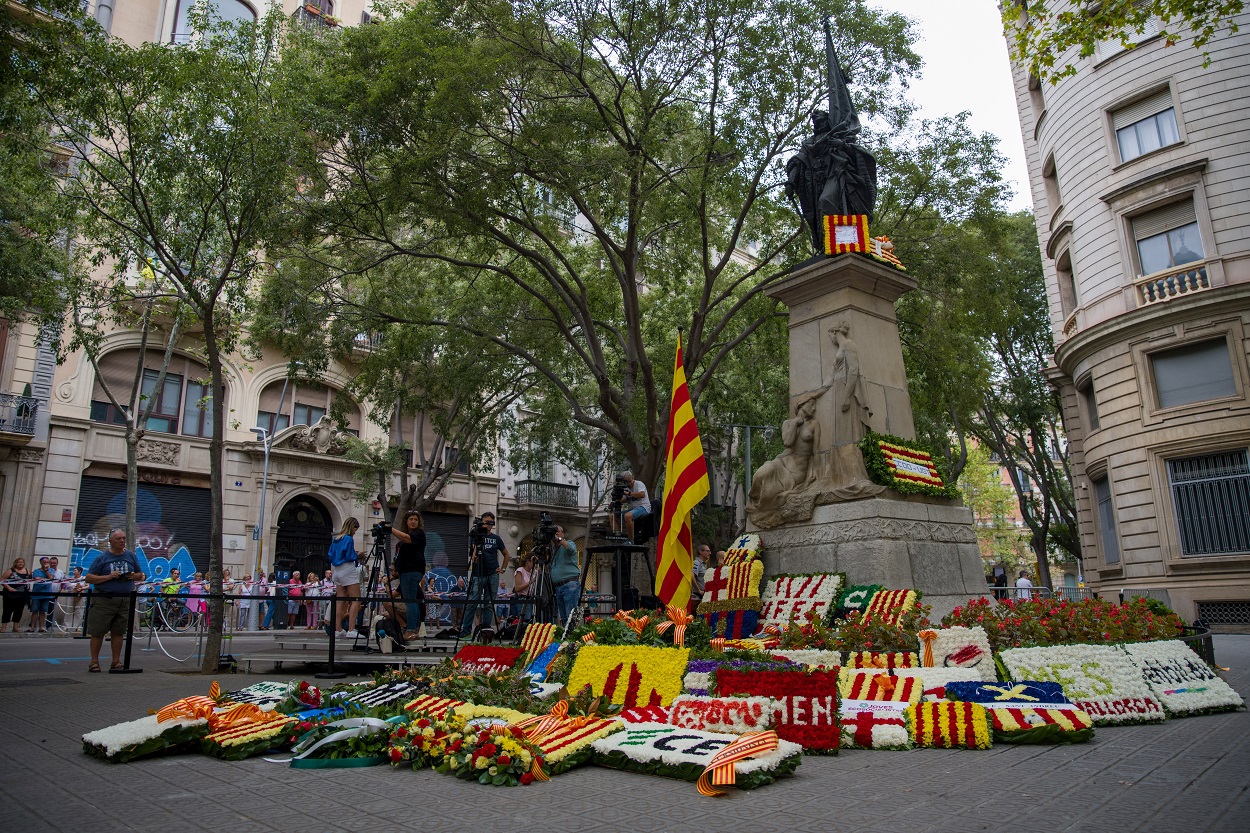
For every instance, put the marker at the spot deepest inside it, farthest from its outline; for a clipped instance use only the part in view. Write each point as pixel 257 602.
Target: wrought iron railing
pixel 1164 286
pixel 17 413
pixel 544 493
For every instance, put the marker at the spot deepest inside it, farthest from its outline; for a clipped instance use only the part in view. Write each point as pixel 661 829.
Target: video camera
pixel 620 489
pixel 542 536
pixel 477 529
pixel 381 529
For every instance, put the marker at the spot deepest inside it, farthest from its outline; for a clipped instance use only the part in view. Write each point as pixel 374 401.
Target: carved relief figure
pixel 322 438
pixel 850 408
pixel 791 471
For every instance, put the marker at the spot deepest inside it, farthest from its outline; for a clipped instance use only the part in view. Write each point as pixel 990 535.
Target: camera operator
pixel 638 505
pixel 566 575
pixel 492 554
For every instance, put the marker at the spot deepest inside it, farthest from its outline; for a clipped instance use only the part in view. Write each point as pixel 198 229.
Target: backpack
pixel 341 551
pixel 385 628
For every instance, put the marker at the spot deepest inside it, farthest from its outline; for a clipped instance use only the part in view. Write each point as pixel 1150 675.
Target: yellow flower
pixel 482 763
pixel 657 669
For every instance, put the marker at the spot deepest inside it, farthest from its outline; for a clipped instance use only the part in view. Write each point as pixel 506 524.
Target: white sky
pixel 966 68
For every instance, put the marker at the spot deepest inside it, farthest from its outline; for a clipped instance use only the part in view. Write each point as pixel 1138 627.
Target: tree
pixel 593 172
pixel 991 503
pixel 1042 33
pixel 186 157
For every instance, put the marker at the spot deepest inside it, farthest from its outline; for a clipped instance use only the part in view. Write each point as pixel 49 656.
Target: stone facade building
pixel 1139 166
pixel 63 455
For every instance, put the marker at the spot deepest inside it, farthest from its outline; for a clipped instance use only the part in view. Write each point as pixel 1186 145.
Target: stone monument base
pixel 917 542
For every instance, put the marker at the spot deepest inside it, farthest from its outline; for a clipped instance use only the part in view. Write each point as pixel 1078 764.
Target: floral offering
pixel 882 659
pixel 735 715
pixel 424 742
pixel 1101 679
pixel 810 658
pixel 888 606
pixel 630 676
pixel 746 548
pixel 1184 684
pixel 487 659
pixel 872 684
pixel 660 749
pixel 790 598
pixel 146 736
pixel 933 681
pixel 868 724
pixel 1023 623
pixel 805 703
pixel 856 598
pixel 536 639
pixel 1035 724
pixel 957 646
pixel 498 755
pixel 949 725
pixel 242 740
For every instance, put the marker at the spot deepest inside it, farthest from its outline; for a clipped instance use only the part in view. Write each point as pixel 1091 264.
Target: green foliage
pixel 1014 623
pixel 880 472
pixel 509 689
pixel 855 634
pixel 1050 37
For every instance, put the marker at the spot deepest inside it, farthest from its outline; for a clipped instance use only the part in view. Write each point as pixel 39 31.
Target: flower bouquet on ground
pixel 423 742
pixel 498 755
pixel 300 697
pixel 146 736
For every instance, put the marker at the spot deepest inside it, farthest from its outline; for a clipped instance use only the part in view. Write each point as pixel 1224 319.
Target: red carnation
pixel 527 778
pixel 455 747
pixel 504 760
pixel 516 731
pixel 401 732
pixel 422 723
pixel 396 755
pixel 489 750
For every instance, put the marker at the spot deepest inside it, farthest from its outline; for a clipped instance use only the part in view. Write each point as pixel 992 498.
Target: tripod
pixel 541 591
pixel 484 600
pixel 378 559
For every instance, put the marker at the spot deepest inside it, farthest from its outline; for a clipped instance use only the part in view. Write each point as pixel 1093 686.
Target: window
pixel 230 11
pixel 1067 284
pixel 105 412
pixel 1091 405
pixel 462 465
pixel 1113 46
pixel 1193 373
pixel 1167 237
pixel 1050 178
pixel 164 416
pixel 307 414
pixel 266 420
pixel 197 420
pixel 1211 496
pixel 1106 520
pixel 1145 126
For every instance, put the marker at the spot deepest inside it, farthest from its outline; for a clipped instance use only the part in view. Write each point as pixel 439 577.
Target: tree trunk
pixel 132 483
pixel 216 606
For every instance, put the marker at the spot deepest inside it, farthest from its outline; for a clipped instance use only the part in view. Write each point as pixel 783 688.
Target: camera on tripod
pixel 478 529
pixel 620 488
pixel 542 536
pixel 381 529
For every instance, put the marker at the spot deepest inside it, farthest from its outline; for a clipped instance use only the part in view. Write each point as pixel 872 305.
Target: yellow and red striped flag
pixel 685 484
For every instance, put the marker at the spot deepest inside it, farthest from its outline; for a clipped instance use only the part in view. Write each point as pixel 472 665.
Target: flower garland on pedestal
pixel 1101 679
pixel 660 749
pixel 790 598
pixel 487 659
pixel 888 606
pixel 805 703
pixel 855 598
pixel 949 725
pixel 1184 684
pixel 735 715
pixel 629 675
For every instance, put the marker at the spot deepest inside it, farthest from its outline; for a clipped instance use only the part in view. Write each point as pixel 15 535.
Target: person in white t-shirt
pixel 1024 587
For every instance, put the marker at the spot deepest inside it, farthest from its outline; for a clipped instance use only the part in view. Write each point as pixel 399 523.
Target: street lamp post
pixel 253 619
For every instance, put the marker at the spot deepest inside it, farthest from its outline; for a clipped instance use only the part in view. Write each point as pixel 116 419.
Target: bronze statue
pixel 831 174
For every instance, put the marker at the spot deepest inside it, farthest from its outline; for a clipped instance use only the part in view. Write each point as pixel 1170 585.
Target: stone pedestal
pixel 841 522
pixel 926 544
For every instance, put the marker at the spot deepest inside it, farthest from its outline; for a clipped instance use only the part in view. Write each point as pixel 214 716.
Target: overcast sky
pixel 966 68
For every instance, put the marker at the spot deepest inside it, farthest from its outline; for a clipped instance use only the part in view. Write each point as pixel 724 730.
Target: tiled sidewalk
pixel 1189 775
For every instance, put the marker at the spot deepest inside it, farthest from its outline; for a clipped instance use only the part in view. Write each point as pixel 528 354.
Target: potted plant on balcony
pixel 331 20
pixel 313 9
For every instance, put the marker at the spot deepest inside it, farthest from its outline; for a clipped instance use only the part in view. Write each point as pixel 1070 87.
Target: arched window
pixel 230 11
pixel 303 404
pixel 182 404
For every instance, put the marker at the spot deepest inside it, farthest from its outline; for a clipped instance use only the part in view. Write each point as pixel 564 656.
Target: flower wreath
pixel 1101 679
pixel 661 749
pixel 134 739
pixel 265 694
pixel 933 681
pixel 498 755
pixel 949 725
pixel 746 548
pixel 855 598
pixel 1184 684
pixel 957 646
pixel 424 742
pixel 630 675
pixel 867 684
pixel 810 658
pixel 903 466
pixel 874 724
pixel 487 659
pixel 792 597
pixel 735 715
pixel 888 606
pixel 805 703
pixel 882 659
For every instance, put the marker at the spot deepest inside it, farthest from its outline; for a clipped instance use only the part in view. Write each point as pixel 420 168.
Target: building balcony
pixel 17 416
pixel 1172 283
pixel 544 493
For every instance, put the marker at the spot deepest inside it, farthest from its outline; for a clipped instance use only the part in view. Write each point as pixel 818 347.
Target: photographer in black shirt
pixel 490 556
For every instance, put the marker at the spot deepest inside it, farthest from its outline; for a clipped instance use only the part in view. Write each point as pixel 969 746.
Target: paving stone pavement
pixel 1190 775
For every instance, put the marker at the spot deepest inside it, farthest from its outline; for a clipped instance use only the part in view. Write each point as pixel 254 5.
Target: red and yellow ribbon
pixel 188 707
pixel 676 617
pixel 720 771
pixel 588 637
pixel 927 638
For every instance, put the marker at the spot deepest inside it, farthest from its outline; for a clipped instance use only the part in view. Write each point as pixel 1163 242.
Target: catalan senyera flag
pixel 685 484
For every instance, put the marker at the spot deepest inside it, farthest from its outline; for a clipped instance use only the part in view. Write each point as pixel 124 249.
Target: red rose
pixel 527 779
pixel 504 760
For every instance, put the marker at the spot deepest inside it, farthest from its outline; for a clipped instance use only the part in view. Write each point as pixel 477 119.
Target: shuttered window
pixel 1106 521
pixel 1167 237
pixel 1211 496
pixel 1107 48
pixel 1193 373
pixel 1145 125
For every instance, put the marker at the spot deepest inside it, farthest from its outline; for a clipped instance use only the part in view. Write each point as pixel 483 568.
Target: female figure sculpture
pixel 851 412
pixel 791 471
